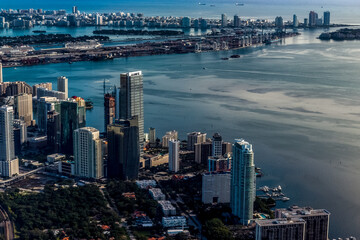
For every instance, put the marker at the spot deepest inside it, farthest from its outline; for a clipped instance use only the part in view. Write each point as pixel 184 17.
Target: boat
pixel 279 188
pixel 235 56
pixel 212 5
pixel 284 199
pixel 225 58
pixel 202 3
pixel 239 4
pixel 39 31
pixel 89 104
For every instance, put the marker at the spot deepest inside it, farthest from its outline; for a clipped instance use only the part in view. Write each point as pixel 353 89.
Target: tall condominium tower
pixel 1 74
pixel 53 130
pixel 87 153
pixel 327 18
pixel 9 164
pixel 174 147
pixel 123 149
pixel 44 105
pixel 295 21
pixel 152 135
pixel 223 20
pixel 109 110
pixel 172 135
pixel 193 138
pixel 313 18
pixel 280 229
pixel 242 181
pixel 24 108
pixel 62 85
pixel 217 143
pixel 131 102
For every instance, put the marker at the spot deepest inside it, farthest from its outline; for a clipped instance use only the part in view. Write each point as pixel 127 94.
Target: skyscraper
pixel 44 105
pixel 9 164
pixel 131 102
pixel 242 181
pixel 217 145
pixel 1 74
pixel 109 110
pixel 62 85
pixel 87 153
pixel 53 130
pixel 313 19
pixel 279 22
pixel 223 20
pixel 123 149
pixel 98 19
pixel 236 22
pixel 295 21
pixel 21 125
pixel 152 135
pixel 74 9
pixel 24 108
pixel 327 18
pixel 174 147
pixel 172 135
pixel 195 137
pixel 73 117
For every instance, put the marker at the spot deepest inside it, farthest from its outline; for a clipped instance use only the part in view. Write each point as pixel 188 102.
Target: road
pixel 8 226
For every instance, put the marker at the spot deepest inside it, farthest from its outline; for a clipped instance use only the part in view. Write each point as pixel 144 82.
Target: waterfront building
pixel 123 149
pixel 317 220
pixel 62 85
pixel 9 164
pixel 203 24
pixel 185 22
pixel 24 108
pixel 14 88
pixel 174 221
pixel 21 125
pixel 217 144
pixel 87 153
pixel 172 135
pixel 73 117
pixel 242 181
pixel 43 92
pixel 131 102
pixel 223 20
pixel 295 21
pixel 313 19
pixel 279 22
pixel 236 22
pixel 306 22
pixel 46 85
pixel 152 135
pixel 327 18
pixel 216 188
pixel 109 110
pixel 174 147
pixel 280 229
pixel 196 23
pixel 193 138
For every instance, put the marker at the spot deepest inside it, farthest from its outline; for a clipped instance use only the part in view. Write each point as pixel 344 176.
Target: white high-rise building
pixel 62 85
pixel 243 185
pixel 98 19
pixel 174 147
pixel 87 153
pixel 24 108
pixel 9 164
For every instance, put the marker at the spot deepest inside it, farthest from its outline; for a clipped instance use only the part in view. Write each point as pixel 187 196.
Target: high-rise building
pixel 43 92
pixel 44 105
pixel 202 152
pixel 87 153
pixel 306 22
pixel 280 229
pixel 73 117
pixel 327 18
pixel 131 101
pixel 317 220
pixel 216 188
pixel 295 21
pixel 203 24
pixel 223 20
pixel 236 22
pixel 14 88
pixel 24 108
pixel 279 22
pixel 109 108
pixel 9 164
pixel 219 163
pixel 1 73
pixel 172 135
pixel 74 9
pixel 123 149
pixel 98 19
pixel 313 19
pixel 195 137
pixel 185 22
pixel 46 85
pixel 53 130
pixel 62 85
pixel 242 181
pixel 174 147
pixel 21 125
pixel 217 143
pixel 152 135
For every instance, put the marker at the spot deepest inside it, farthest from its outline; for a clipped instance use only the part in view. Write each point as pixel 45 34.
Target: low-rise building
pixel 167 208
pixel 55 157
pixel 67 168
pixel 174 221
pixel 144 184
pixel 156 194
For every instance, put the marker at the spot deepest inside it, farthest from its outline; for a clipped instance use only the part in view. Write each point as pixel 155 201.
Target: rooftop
pixel 279 221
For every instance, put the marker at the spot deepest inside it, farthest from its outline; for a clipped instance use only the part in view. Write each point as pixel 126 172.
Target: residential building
pixel 172 135
pixel 44 105
pixel 295 21
pixel 46 85
pixel 327 18
pixel 9 164
pixel 219 163
pixel 62 86
pixel 174 148
pixel 123 149
pixel 217 145
pixel 21 125
pixel 202 152
pixel 24 108
pixel 43 92
pixel 14 88
pixel 224 20
pixel 109 108
pixel 167 208
pixel 174 221
pixel 313 19
pixel 280 229
pixel 1 72
pixel 236 22
pixel 87 153
pixel 152 135
pixel 243 181
pixel 157 194
pixel 279 22
pixel 53 130
pixel 195 137
pixel 216 188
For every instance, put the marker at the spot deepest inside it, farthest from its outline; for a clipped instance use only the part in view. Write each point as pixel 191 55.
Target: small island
pixel 138 32
pixel 341 35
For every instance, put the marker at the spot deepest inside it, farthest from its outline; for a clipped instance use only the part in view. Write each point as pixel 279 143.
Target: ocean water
pixel 297 102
